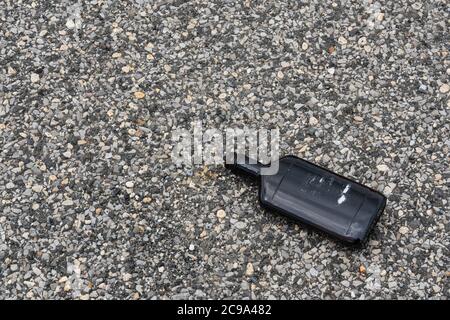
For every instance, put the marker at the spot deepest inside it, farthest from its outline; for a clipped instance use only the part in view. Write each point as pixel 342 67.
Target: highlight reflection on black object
pixel 318 197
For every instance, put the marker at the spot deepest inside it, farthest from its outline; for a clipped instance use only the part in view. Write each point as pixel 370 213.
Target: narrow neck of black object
pixel 245 166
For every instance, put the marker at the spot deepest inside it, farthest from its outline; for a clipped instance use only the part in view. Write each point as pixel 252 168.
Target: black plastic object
pixel 318 197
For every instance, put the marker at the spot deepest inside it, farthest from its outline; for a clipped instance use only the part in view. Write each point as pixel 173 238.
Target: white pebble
pixel 34 77
pixel 342 40
pixel 221 214
pixel 416 5
pixel 313 121
pixel 387 191
pixel 37 188
pixel 444 88
pixel 382 167
pixel 12 72
pixel 362 41
pixel 126 276
pixel 249 270
pixel 240 225
pixel 129 184
pixel 67 203
pixel 70 24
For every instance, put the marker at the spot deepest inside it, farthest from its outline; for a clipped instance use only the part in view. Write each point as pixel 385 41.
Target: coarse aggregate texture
pixel 93 207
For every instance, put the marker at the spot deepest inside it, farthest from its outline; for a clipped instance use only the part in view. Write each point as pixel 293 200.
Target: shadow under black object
pixel 315 196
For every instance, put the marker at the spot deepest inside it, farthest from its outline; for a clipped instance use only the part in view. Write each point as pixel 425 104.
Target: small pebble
pixel 342 40
pixel 67 203
pixel 34 77
pixel 362 41
pixel 70 24
pixel 91 96
pixel 382 167
pixel 147 200
pixel 11 71
pixel 221 214
pixel 129 184
pixel 249 270
pixel 241 225
pixel 37 188
pixel 139 95
pixel 444 88
pixel 313 121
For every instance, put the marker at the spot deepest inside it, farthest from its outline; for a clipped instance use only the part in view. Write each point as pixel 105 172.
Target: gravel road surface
pixel 93 207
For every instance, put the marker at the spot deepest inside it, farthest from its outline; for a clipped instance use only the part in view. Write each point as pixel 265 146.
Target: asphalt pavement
pixel 93 207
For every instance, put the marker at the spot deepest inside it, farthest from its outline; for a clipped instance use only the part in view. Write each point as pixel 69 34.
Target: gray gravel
pixel 92 206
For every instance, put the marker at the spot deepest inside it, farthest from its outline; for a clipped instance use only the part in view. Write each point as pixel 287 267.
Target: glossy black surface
pixel 318 197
